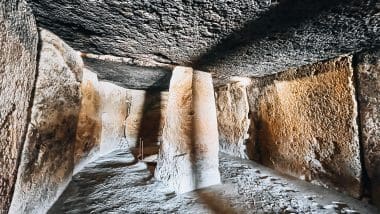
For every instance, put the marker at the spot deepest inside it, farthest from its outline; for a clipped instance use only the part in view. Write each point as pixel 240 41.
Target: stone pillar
pixel 205 131
pixel 188 156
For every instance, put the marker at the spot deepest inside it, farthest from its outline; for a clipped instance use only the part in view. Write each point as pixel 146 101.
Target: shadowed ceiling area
pixel 226 38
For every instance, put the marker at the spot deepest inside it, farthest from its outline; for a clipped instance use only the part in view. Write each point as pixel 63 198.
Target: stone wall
pixel 303 123
pixel 146 118
pixel 48 156
pixel 233 121
pixel 368 71
pixel 18 62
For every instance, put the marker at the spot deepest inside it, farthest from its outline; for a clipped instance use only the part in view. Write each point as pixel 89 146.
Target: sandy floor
pixel 116 183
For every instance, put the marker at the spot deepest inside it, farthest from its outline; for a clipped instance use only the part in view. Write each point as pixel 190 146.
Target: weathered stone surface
pixel 146 118
pixel 113 115
pixel 368 68
pixel 306 124
pixel 48 156
pixel 241 37
pixel 204 131
pixel 233 118
pixel 128 76
pixel 89 128
pixel 188 154
pixel 174 166
pixel 18 62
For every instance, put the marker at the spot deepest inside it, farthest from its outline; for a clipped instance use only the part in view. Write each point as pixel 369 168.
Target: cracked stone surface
pixel 368 71
pixel 244 37
pixel 116 183
pixel 18 60
pixel 47 159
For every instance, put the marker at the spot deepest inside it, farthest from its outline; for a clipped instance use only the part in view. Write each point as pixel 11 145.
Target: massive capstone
pixel 245 38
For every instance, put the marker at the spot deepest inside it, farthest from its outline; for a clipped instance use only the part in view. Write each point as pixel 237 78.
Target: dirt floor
pixel 116 183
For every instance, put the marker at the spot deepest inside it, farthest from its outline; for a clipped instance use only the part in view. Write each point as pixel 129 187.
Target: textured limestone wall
pixel 302 122
pixel 306 124
pixel 18 62
pixel 48 156
pixel 233 120
pixel 188 154
pixel 368 68
pixel 146 118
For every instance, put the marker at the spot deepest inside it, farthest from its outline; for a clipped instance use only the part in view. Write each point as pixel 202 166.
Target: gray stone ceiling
pixel 226 37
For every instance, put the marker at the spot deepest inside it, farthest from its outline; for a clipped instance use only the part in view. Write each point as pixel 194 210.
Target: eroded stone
pixel 368 68
pixel 18 60
pixel 307 124
pixel 48 156
pixel 233 120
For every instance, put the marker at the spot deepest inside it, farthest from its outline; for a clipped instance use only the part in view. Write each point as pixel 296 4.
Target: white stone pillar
pixel 188 156
pixel 205 131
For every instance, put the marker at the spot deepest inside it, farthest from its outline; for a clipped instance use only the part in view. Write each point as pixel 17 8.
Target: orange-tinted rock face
pixel 48 156
pixel 89 124
pixel 18 60
pixel 368 69
pixel 307 125
pixel 302 122
pixel 233 120
pixel 104 108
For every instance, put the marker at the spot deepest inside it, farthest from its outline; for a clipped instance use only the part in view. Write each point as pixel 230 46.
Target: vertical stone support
pixel 205 131
pixel 188 156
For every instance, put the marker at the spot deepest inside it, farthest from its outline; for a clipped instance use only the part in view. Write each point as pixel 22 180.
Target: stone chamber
pixel 189 106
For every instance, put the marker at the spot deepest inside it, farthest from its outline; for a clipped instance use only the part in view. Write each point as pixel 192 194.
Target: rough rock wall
pixel 368 70
pixel 307 125
pixel 233 120
pixel 302 122
pixel 89 127
pixel 18 62
pixel 48 156
pixel 188 154
pixel 146 118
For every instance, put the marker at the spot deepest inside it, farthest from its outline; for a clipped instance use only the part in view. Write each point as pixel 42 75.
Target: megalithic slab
pixel 188 156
